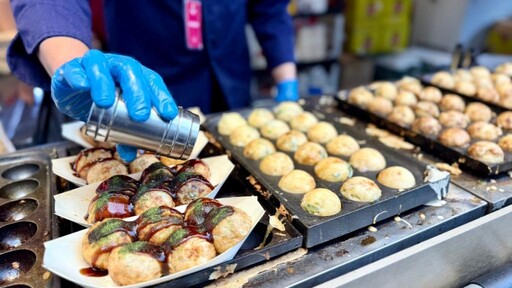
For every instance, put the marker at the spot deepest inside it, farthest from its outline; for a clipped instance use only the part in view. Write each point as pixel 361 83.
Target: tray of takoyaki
pixel 157 246
pixel 466 132
pixel 330 177
pixel 98 163
pixel 121 196
pixel 479 83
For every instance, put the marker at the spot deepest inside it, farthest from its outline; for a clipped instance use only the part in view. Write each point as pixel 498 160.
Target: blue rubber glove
pixel 93 78
pixel 287 90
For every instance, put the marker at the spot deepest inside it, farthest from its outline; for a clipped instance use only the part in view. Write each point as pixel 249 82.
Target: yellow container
pixel 499 39
pixel 364 39
pixel 396 10
pixel 394 36
pixel 364 11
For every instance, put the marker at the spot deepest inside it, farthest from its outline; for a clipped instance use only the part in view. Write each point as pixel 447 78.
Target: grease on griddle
pixel 368 240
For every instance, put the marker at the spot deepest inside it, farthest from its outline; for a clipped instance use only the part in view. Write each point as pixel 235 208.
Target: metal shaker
pixel 174 139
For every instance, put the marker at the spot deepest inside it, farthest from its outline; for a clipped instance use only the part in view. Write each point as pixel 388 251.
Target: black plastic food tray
pixel 429 144
pixel 426 80
pixel 26 201
pixel 354 215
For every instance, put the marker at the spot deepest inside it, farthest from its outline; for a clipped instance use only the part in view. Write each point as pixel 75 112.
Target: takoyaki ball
pixel 229 122
pixel 167 161
pixel 310 153
pixel 125 263
pixel 480 72
pixel 286 111
pixel 322 132
pixel 198 210
pixel 506 143
pixel 405 98
pixel 380 106
pixel 506 102
pixel 156 173
pixel 454 119
pixel 484 131
pixel 454 137
pixel 297 182
pixel 505 68
pixel 260 117
pixel 303 121
pixel 488 95
pixel 486 151
pixel 477 111
pixel 431 94
pixel 504 120
pixel 426 108
pixel 258 149
pixel 500 79
pixel 189 249
pixel 86 159
pixel 242 135
pixel 342 145
pixel 194 165
pixel 360 97
pixel 428 126
pixel 360 189
pixel 102 237
pixel 333 169
pixel 443 79
pixel 396 177
pixel 118 183
pixel 110 205
pixel 148 197
pixel 452 102
pixel 276 164
pixel 321 202
pixel 386 90
pixel 188 186
pixel 105 169
pixel 156 224
pixel 413 86
pixel 368 159
pixel 402 115
pixel 483 83
pixel 465 87
pixel 142 162
pixel 463 75
pixel 274 128
pixel 291 141
pixel 230 226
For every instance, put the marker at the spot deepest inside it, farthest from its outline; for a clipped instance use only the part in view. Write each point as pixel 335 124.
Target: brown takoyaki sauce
pixel 108 228
pixel 186 177
pixel 181 235
pixel 187 166
pixel 198 209
pixel 163 217
pixel 118 183
pixel 111 205
pixel 85 153
pixel 93 272
pixel 216 215
pixel 147 188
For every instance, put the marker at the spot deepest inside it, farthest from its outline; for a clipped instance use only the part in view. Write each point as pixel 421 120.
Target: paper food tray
pixel 73 205
pixel 68 264
pixel 62 166
pixel 71 131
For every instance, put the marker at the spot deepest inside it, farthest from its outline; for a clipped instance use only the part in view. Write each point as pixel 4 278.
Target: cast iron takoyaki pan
pixel 26 201
pixel 429 144
pixel 354 215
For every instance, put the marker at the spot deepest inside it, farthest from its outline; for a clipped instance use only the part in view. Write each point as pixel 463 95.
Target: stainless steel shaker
pixel 174 139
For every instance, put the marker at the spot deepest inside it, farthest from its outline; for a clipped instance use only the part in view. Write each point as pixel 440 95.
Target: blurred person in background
pixel 196 49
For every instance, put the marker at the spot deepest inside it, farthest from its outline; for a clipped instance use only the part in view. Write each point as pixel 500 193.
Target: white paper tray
pixel 73 205
pixel 63 166
pixel 63 256
pixel 71 130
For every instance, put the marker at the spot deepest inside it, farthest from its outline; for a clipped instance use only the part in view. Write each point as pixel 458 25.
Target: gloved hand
pixel 93 77
pixel 287 90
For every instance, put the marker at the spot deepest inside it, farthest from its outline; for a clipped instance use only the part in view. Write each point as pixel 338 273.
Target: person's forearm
pixel 285 71
pixel 6 19
pixel 55 51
